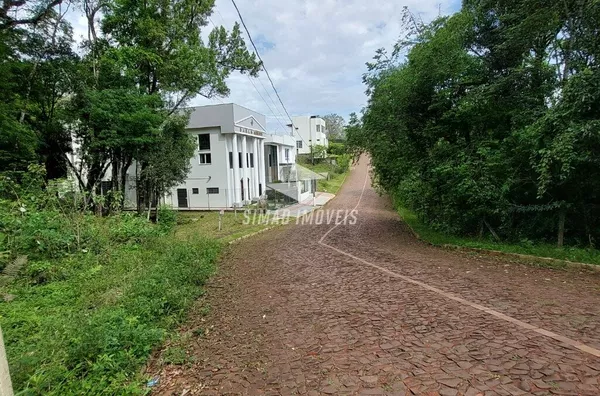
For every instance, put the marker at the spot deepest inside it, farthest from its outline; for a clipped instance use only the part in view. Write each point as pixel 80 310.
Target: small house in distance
pixel 310 131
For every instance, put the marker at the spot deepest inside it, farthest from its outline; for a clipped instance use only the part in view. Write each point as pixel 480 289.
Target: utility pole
pixel 5 382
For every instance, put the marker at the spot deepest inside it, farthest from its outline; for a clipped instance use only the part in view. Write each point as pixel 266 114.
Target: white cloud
pixel 320 49
pixel 315 50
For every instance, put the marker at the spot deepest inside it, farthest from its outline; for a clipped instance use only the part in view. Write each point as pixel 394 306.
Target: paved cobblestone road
pixel 290 315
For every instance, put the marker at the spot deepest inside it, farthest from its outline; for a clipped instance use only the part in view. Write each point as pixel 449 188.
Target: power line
pixel 261 83
pixel 265 69
pixel 255 88
pixel 263 99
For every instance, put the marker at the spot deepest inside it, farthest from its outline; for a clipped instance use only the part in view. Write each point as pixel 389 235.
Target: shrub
pixel 337 148
pixel 167 217
pixel 84 324
pixel 97 295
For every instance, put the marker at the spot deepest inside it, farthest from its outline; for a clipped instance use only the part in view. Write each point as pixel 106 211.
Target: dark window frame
pixel 200 138
pixel 207 158
pixel 212 190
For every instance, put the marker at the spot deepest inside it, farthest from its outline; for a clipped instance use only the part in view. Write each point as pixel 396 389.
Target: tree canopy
pixel 115 99
pixel 489 119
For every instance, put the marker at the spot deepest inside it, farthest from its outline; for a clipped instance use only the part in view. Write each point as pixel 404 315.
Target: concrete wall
pixel 220 115
pixel 241 113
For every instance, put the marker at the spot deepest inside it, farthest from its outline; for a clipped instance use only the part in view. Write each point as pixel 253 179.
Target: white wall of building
pixel 309 131
pixel 225 181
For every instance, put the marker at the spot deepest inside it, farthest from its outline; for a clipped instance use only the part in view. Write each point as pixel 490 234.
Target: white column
pixel 229 193
pixel 263 164
pixel 256 166
pixel 245 168
pixel 236 171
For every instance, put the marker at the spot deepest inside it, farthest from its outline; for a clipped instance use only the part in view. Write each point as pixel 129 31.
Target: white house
pixel 310 131
pixel 282 173
pixel 227 169
pixel 236 161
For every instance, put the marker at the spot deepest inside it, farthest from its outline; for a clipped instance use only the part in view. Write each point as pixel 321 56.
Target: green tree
pixel 488 123
pixel 152 54
pixel 335 126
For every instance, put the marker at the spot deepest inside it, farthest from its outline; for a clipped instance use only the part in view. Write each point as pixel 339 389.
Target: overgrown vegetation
pixel 111 107
pixel 334 167
pixel 524 246
pixel 87 297
pixel 94 295
pixel 486 122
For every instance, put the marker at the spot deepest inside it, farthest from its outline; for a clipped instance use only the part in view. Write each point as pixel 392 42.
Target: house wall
pixel 221 121
pixel 220 115
pixel 204 176
pixel 240 113
pixel 307 132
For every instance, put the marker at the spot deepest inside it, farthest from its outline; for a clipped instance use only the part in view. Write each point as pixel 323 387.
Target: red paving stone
pixel 291 316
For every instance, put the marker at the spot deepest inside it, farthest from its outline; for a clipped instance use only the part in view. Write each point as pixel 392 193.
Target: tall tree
pixel 151 53
pixel 488 124
pixel 335 126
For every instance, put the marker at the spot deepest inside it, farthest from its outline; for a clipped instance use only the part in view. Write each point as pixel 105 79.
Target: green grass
pixel 206 224
pixel 88 328
pixel 581 255
pixel 98 295
pixel 335 181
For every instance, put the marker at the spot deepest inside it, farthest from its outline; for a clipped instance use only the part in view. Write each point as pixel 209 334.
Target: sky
pixel 314 50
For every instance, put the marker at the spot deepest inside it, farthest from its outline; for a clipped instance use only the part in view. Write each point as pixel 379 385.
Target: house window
pixel 230 160
pixel 318 128
pixel 287 155
pixel 299 144
pixel 105 186
pixel 204 142
pixel 251 160
pixel 241 164
pixel 205 159
pixel 195 191
pixel 212 190
pixel 247 160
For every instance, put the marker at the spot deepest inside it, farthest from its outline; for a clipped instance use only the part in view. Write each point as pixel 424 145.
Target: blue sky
pixel 315 50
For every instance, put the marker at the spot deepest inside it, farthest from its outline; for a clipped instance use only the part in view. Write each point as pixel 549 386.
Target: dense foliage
pixel 88 297
pixel 488 121
pixel 114 98
pixel 85 298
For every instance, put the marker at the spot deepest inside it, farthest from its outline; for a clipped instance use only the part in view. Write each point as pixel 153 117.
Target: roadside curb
pixel 525 257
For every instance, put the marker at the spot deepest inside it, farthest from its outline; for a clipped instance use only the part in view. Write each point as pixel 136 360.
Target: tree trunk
pixel 491 230
pixel 562 214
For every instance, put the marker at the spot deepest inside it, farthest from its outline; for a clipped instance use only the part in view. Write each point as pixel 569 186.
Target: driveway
pixel 364 308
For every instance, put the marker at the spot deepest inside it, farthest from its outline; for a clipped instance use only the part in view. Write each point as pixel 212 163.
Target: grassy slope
pixel 206 224
pixel 335 180
pixel 591 256
pixel 86 323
